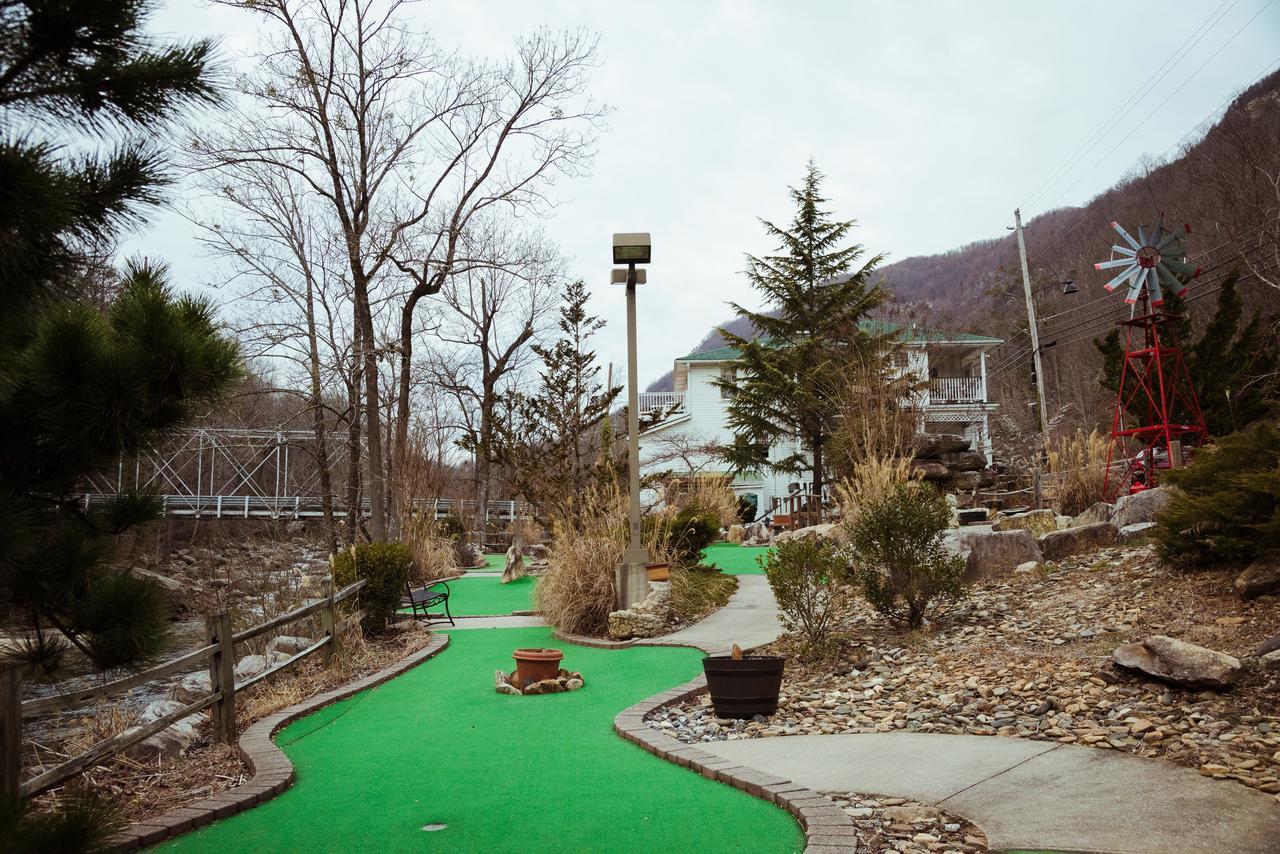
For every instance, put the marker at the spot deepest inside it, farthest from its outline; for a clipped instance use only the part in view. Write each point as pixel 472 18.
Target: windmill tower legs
pixel 1157 414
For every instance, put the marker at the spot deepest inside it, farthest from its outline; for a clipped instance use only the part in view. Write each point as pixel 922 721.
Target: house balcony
pixel 661 402
pixel 952 390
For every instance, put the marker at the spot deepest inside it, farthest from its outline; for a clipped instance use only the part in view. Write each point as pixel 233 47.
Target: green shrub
pixel 748 507
pixel 899 558
pixel 686 534
pixel 1226 508
pixel 806 580
pixel 387 567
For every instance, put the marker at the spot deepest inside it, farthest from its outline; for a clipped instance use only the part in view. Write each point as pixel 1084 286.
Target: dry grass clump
pixel 577 592
pixel 870 482
pixel 712 495
pixel 1078 468
pixel 696 593
pixel 433 552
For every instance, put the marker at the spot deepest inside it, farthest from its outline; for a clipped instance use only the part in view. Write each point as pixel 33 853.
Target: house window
pixel 728 376
pixel 900 358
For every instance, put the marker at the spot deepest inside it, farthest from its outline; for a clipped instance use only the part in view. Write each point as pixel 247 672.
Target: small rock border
pixel 273 772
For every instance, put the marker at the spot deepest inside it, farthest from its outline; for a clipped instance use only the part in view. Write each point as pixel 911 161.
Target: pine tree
pixel 788 378
pixel 549 435
pixel 87 376
pixel 1233 369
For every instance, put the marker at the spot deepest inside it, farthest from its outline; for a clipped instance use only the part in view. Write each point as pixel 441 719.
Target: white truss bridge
pixel 218 473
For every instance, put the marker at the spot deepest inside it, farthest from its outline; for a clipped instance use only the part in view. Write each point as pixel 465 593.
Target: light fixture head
pixel 631 247
pixel 1069 287
pixel 619 276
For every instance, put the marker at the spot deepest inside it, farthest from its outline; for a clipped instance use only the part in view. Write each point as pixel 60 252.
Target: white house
pixel 691 419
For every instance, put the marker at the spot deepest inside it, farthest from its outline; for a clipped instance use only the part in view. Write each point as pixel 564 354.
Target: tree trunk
pixel 318 425
pixel 354 512
pixel 373 413
pixel 817 478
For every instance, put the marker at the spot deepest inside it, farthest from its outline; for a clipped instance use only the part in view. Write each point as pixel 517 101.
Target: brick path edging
pixel 828 829
pixel 272 770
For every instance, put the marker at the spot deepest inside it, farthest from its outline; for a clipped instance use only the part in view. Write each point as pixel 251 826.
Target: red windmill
pixel 1157 415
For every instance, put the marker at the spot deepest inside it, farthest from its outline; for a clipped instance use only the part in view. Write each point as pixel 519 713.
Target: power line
pixel 1161 105
pixel 1132 102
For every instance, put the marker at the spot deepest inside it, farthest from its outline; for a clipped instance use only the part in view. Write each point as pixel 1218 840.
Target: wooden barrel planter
pixel 744 687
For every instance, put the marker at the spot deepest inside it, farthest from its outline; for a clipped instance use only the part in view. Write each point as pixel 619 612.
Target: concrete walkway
pixel 501 622
pixel 749 619
pixel 1030 794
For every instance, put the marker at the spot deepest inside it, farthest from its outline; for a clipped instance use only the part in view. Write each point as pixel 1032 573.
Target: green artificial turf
pixel 519 774
pixel 734 559
pixel 483 595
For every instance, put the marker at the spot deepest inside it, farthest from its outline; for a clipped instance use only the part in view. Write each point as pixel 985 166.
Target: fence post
pixel 328 620
pixel 222 675
pixel 10 730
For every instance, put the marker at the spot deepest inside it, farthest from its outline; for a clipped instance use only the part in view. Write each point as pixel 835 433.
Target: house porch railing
pixel 956 390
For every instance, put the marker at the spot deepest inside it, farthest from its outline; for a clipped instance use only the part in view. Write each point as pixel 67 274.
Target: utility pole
pixel 1036 363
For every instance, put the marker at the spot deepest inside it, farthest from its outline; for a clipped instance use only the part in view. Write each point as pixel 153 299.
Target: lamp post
pixel 631 582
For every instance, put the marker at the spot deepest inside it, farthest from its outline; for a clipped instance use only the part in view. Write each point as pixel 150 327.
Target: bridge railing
pixel 306 507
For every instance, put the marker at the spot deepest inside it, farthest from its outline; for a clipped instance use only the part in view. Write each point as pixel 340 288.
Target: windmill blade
pixel 1180 269
pixel 1159 233
pixel 1127 239
pixel 1123 250
pixel 1142 235
pixel 1113 263
pixel 1170 240
pixel 1153 287
pixel 1172 282
pixel 1118 280
pixel 1134 289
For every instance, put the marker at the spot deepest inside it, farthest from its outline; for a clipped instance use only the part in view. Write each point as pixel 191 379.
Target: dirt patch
pixel 910 827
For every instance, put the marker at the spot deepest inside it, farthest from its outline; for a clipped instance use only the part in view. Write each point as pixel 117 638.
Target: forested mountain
pixel 1224 184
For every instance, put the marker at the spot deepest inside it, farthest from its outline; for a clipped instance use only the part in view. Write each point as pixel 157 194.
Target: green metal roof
pixel 908 335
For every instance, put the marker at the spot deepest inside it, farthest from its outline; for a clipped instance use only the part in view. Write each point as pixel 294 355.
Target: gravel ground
pixel 1029 657
pixel 898 824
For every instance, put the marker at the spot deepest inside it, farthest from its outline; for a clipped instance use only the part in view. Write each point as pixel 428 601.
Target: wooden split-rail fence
pixel 220 653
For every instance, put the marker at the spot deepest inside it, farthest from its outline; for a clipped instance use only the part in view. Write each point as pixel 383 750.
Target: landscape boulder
pixel 930 470
pixel 1270 644
pixel 998 553
pixel 170 742
pixel 1056 545
pixel 1260 578
pixel 1140 507
pixel 1135 533
pixel 194 686
pixel 827 532
pixel 964 461
pixel 1099 511
pixel 537 551
pixel 1178 662
pixel 288 644
pixel 470 555
pixel 933 445
pixel 1270 661
pixel 515 567
pixel 1036 521
pixel 175 592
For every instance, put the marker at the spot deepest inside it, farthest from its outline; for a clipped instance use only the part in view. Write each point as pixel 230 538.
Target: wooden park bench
pixel 424 597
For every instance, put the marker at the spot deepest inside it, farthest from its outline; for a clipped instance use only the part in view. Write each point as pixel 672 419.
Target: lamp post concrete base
pixel 631 579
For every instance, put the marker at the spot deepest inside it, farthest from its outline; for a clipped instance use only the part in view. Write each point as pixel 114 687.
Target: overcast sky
pixel 932 121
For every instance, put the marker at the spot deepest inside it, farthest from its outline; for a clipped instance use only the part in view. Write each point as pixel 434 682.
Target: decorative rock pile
pixel 910 827
pixel 649 618
pixel 947 461
pixel 565 680
pixel 1026 540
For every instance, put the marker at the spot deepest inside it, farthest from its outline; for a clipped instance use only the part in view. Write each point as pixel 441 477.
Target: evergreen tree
pixel 86 375
pixel 549 435
pixel 788 379
pixel 1233 369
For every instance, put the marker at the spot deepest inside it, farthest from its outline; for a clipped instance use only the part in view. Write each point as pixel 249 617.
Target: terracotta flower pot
pixel 535 664
pixel 658 571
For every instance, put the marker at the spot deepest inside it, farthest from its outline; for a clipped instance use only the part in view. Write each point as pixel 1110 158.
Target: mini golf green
pixel 734 559
pixel 484 595
pixel 438 745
